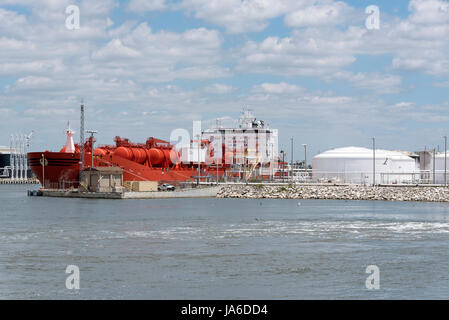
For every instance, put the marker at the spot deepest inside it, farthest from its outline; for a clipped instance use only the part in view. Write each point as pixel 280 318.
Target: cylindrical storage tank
pixel 439 168
pixel 355 165
pixel 167 156
pixel 100 152
pixel 175 156
pixel 155 156
pixel 139 155
pixel 124 152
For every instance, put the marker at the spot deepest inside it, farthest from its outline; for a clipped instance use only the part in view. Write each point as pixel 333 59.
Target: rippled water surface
pixel 221 248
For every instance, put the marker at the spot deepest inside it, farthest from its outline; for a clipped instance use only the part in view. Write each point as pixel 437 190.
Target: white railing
pixel 366 177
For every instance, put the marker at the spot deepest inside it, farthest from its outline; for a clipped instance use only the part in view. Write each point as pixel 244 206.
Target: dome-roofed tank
pixel 355 165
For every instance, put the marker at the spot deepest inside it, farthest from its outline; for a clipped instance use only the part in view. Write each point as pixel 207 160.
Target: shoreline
pixel 340 192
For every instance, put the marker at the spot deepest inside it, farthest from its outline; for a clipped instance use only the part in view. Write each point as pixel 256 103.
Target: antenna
pixel 82 135
pixel 17 156
pixel 24 156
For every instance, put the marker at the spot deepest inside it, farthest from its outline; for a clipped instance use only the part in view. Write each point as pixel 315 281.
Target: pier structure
pixel 24 181
pixel 14 161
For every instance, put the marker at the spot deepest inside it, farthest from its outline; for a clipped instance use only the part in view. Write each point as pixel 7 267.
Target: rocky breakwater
pixel 352 192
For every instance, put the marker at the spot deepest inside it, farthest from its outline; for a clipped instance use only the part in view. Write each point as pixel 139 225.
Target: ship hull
pixel 55 170
pixel 61 170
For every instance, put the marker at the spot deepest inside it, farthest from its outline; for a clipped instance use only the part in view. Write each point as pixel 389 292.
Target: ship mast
pixel 82 135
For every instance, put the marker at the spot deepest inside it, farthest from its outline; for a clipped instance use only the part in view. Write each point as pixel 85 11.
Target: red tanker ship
pixel 154 160
pixel 158 160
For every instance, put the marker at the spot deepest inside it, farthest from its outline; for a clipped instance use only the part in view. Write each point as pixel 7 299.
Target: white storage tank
pixel 355 165
pixel 439 168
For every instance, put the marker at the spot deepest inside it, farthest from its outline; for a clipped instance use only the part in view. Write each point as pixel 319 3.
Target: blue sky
pixel 310 68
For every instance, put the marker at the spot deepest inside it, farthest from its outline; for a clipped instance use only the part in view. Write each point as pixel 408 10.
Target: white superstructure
pixel 250 148
pixel 251 141
pixel 355 165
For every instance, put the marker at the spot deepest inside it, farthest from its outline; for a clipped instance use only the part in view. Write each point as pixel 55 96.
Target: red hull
pixel 61 170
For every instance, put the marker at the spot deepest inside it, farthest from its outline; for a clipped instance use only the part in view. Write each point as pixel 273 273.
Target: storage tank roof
pixel 441 155
pixel 359 152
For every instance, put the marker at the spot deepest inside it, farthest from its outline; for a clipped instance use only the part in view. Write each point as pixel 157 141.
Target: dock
pixel 206 192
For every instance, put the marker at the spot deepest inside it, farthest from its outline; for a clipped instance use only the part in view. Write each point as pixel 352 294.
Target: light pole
pixel 199 163
pixel 424 176
pixel 82 136
pixel 374 161
pixel 216 160
pixel 445 159
pixel 271 163
pixel 305 157
pixel 43 170
pixel 291 159
pixel 433 180
pixel 92 132
pixel 283 155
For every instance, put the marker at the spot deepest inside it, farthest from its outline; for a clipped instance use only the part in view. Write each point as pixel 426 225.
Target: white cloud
pixel 147 5
pixel 404 105
pixel 441 84
pixel 32 82
pixel 372 81
pixel 320 14
pixel 429 12
pixel 33 67
pixel 129 67
pixel 218 88
pixel 7 112
pixel 239 16
pixel 279 88
pixel 97 8
pixel 49 112
pixel 416 43
pixel 308 53
pixel 115 49
pixel 109 22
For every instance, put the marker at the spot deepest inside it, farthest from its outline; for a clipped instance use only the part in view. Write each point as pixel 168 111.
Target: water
pixel 221 248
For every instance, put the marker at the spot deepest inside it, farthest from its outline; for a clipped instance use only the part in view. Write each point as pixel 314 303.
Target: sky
pixel 320 71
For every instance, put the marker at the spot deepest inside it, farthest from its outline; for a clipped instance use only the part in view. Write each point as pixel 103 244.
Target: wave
pixel 259 228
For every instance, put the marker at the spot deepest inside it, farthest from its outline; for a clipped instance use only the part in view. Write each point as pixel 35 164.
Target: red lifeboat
pixel 155 156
